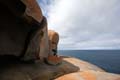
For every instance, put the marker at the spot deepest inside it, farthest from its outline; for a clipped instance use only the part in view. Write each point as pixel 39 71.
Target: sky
pixel 84 24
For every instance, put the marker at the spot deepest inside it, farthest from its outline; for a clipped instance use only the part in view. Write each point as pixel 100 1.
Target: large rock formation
pixel 53 41
pixel 23 30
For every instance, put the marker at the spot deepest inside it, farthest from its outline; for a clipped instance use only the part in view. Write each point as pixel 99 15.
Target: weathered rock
pixel 87 72
pixel 13 31
pixel 38 46
pixel 35 71
pixel 53 41
pixel 53 57
pixel 33 9
pixel 54 60
pixel 69 69
pixel 83 65
pixel 21 26
pixel 44 43
pixel 90 75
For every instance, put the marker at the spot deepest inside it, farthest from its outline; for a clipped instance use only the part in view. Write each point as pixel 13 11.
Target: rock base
pixel 69 69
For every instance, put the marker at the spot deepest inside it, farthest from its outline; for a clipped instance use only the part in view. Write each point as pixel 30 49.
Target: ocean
pixel 108 60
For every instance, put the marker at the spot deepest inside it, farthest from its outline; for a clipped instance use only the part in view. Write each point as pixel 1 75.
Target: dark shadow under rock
pixel 35 71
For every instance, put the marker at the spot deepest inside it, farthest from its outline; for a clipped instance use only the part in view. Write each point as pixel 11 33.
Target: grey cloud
pixel 86 24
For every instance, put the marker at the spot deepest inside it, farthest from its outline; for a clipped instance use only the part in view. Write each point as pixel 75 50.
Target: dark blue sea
pixel 109 60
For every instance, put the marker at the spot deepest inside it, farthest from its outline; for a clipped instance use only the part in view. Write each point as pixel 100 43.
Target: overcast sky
pixel 84 24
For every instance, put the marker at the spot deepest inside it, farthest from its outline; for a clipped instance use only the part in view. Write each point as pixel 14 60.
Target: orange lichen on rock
pixel 87 75
pixel 33 9
pixel 71 77
pixel 83 65
pixel 53 40
pixel 54 59
pixel 90 75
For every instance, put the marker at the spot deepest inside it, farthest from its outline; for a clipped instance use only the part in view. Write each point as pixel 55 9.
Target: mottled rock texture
pixel 67 70
pixel 22 27
pixel 35 71
pixel 87 72
pixel 38 46
pixel 53 41
pixel 33 9
pixel 90 75
pixel 44 43
pixel 83 65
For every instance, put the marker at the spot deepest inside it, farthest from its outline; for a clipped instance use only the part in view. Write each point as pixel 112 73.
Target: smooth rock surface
pixel 90 75
pixel 87 72
pixel 83 65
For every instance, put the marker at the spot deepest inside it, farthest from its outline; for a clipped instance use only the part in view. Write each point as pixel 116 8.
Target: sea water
pixel 108 60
